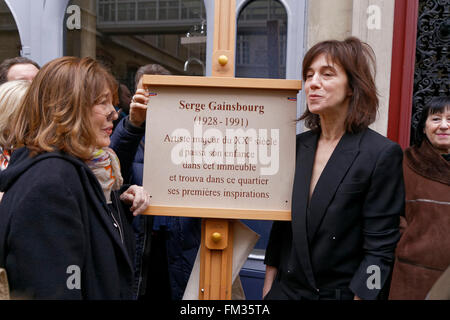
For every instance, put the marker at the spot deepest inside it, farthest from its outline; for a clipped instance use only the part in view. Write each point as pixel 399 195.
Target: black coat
pixel 350 227
pixel 182 237
pixel 56 231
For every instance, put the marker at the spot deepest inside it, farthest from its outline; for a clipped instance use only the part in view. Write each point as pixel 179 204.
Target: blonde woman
pixel 11 96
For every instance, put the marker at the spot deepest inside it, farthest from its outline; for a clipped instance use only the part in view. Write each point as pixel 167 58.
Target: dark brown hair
pixel 8 63
pixel 358 60
pixel 55 113
pixel 150 69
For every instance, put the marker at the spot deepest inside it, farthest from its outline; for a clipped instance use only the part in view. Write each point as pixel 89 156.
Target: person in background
pixel 124 99
pixel 348 190
pixel 11 96
pixel 65 222
pixel 166 246
pixel 123 104
pixel 423 252
pixel 19 68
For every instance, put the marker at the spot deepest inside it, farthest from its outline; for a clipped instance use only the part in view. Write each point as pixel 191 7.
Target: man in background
pixel 18 68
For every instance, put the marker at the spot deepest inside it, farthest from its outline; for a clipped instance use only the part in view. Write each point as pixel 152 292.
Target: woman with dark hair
pixel 348 188
pixel 423 252
pixel 64 222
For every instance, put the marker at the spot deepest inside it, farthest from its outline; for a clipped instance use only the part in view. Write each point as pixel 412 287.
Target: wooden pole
pixel 216 249
pixel 224 38
pixel 216 257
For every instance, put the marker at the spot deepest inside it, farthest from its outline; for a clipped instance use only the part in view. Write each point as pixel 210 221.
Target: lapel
pixel 334 172
pixel 306 150
pixel 94 191
pixel 332 175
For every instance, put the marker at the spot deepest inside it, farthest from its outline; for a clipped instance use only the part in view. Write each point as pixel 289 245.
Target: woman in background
pixel 423 252
pixel 11 96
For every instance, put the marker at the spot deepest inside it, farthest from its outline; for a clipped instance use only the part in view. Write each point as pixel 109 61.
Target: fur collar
pixel 427 162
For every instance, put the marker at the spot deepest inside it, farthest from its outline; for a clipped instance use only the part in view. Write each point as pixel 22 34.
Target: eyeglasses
pixel 113 115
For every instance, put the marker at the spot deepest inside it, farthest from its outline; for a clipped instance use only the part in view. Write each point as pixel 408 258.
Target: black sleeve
pixel 46 242
pixel 125 143
pixel 383 206
pixel 274 246
pixel 279 230
pixel 125 208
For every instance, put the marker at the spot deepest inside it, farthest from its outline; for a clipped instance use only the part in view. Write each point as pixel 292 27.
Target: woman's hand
pixel 271 273
pixel 138 107
pixel 137 197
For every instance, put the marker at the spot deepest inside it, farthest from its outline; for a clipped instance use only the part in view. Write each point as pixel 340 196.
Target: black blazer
pixel 53 220
pixel 351 225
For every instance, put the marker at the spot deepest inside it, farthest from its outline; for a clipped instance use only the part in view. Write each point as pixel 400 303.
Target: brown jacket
pixel 423 252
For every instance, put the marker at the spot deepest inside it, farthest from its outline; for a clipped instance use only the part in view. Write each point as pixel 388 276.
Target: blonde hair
pixel 56 112
pixel 12 94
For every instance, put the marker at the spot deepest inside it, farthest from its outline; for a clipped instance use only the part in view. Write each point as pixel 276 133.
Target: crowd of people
pixel 369 221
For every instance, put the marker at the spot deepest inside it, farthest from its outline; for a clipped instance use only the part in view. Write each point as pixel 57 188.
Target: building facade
pixel 272 37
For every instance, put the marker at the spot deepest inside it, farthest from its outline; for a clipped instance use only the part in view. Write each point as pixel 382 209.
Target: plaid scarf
pixel 106 167
pixel 4 158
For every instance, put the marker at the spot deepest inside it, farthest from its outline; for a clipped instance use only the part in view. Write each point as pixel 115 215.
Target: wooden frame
pixel 221 82
pixel 150 81
pixel 223 213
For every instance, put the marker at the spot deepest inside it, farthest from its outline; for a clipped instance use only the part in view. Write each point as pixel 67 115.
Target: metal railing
pixel 126 11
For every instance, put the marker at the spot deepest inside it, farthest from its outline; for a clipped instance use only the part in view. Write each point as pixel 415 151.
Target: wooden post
pixel 216 257
pixel 224 38
pixel 216 249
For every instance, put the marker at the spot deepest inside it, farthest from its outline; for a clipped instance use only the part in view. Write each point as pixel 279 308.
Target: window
pixel 261 53
pixel 261 40
pixel 242 51
pixel 147 10
pixel 126 11
pixel 106 10
pixel 10 44
pixel 124 33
